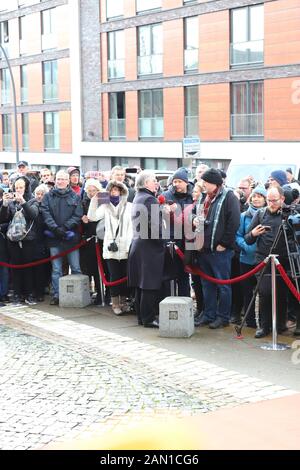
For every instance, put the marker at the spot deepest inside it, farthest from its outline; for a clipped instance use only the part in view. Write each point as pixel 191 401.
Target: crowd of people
pixel 223 231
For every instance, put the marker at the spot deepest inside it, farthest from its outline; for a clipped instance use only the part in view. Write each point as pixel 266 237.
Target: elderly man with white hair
pixel 62 212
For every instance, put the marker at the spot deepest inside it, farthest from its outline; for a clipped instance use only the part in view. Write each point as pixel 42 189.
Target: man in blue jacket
pixel 62 212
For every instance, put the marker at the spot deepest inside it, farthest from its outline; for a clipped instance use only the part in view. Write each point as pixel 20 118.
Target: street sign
pixel 190 146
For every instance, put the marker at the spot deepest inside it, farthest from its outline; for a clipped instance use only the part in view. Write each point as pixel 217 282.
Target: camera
pixel 113 247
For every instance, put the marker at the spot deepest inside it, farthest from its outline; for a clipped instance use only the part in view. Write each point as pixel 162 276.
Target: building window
pixel 247 36
pixel 146 5
pixel 25 131
pixel 191 43
pixel 191 102
pixel 247 109
pixel 154 163
pixel 117 116
pixel 48 24
pixel 50 80
pixel 6 132
pixel 5 87
pixel 51 131
pixel 116 55
pixel 24 84
pixel 151 122
pixel 4 38
pixel 150 50
pixel 120 161
pixel 114 8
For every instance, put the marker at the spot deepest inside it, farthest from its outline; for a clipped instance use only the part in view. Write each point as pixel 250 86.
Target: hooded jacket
pixel 114 217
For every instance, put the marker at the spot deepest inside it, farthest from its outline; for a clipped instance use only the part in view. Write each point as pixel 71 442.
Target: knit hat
pixel 289 170
pixel 93 182
pixel 181 174
pixel 72 169
pixel 259 190
pixel 212 176
pixel 279 176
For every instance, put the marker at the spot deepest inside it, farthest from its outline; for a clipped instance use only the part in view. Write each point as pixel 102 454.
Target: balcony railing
pixel 24 95
pixel 116 68
pixel 51 142
pixel 6 142
pixel 245 53
pixel 5 97
pixel 191 126
pixel 151 127
pixel 150 64
pixel 25 141
pixel 191 59
pixel 142 5
pixel 247 125
pixel 117 128
pixel 50 92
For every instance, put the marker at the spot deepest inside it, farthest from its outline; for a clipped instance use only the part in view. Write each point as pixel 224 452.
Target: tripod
pixel 293 252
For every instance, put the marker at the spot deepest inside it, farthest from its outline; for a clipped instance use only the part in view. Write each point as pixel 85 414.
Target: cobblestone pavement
pixel 59 379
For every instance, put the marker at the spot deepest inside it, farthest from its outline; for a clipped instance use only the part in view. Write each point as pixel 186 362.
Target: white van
pixel 260 168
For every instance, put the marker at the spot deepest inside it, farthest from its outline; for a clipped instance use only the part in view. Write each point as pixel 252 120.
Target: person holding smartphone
pixel 260 234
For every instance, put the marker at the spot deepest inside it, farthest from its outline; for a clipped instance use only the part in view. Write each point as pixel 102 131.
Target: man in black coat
pixel 147 253
pixel 222 219
pixel 62 212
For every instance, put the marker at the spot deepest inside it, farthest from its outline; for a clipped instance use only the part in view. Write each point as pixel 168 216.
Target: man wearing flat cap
pixel 222 215
pixel 23 170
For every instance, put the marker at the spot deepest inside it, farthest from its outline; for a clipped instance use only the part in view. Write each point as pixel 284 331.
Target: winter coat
pixel 30 211
pixel 62 208
pixel 147 261
pixel 222 221
pixel 114 217
pixel 247 253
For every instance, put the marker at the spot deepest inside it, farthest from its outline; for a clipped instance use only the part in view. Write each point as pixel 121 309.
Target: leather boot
pixel 116 307
pixel 124 305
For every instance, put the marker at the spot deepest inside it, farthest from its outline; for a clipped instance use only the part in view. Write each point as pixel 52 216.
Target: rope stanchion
pixel 45 260
pixel 288 282
pixel 198 272
pixel 102 273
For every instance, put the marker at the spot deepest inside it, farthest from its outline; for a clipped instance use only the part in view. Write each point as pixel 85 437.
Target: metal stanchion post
pixel 101 283
pixel 274 346
pixel 172 282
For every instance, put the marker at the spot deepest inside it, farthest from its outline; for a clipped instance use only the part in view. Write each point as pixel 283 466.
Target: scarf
pixel 114 200
pixel 209 199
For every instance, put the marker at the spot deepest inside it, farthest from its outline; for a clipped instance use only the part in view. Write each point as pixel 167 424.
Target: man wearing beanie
pixel 74 174
pixel 278 178
pixel 180 194
pixel 222 216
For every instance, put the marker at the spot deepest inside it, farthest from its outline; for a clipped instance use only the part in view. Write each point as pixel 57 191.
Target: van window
pixel 260 173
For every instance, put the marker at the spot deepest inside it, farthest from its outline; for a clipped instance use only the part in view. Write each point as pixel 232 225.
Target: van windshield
pixel 260 173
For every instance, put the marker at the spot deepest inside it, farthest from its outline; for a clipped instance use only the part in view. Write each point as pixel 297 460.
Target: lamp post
pixel 14 102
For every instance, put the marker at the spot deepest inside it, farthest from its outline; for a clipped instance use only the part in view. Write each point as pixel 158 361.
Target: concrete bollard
pixel 176 318
pixel 74 291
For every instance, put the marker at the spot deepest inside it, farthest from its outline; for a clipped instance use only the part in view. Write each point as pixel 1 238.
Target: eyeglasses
pixel 273 201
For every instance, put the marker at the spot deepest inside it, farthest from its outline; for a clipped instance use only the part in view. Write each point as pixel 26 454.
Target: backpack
pixel 17 228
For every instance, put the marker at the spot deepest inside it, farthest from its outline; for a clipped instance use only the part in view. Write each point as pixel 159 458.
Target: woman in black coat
pixel 147 255
pixel 21 252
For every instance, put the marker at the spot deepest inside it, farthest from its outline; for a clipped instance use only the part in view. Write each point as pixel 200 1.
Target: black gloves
pixel 59 232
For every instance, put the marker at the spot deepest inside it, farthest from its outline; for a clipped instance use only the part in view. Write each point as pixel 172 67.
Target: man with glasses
pixel 263 230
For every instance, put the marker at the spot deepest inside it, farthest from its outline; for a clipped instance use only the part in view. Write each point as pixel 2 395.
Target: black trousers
pixel 147 304
pixel 248 286
pixel 265 301
pixel 22 279
pixel 117 269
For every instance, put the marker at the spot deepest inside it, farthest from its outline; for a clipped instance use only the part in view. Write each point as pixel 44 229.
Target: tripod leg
pixel 238 328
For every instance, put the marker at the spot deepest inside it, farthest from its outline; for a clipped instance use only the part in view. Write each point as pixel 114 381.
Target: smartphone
pixel 103 197
pixel 267 228
pixel 5 190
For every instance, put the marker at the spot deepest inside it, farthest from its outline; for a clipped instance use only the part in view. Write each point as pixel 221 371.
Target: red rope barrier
pixel 288 281
pixel 45 260
pixel 198 272
pixel 102 273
